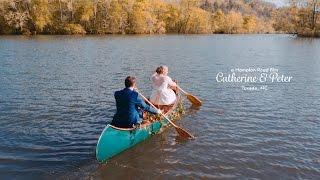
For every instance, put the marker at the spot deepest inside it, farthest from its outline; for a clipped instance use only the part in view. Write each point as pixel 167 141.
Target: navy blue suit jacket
pixel 129 108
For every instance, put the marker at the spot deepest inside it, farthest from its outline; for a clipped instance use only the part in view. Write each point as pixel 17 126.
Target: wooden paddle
pixel 183 133
pixel 193 99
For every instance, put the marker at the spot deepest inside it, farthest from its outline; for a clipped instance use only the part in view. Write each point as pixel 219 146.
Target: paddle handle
pixel 181 90
pixel 157 109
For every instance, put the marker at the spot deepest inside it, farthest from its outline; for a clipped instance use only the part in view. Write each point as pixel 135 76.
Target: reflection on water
pixel 56 95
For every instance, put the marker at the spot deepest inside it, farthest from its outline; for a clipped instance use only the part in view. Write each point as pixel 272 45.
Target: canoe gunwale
pixel 145 125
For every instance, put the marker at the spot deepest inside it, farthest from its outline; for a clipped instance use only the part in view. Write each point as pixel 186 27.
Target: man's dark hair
pixel 130 81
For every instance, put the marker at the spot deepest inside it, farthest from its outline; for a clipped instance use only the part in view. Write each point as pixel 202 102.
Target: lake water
pixel 56 95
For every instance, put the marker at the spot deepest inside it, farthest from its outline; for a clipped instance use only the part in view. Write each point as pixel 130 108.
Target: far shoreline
pixel 295 35
pixel 165 34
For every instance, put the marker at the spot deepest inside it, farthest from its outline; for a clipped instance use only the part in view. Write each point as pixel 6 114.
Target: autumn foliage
pixel 301 18
pixel 151 17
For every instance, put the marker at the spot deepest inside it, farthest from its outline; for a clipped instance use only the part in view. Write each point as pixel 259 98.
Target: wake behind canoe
pixel 114 140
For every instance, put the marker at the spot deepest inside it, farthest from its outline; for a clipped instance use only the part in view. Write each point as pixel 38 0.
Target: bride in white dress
pixel 162 94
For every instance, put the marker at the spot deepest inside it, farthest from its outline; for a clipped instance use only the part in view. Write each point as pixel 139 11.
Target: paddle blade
pixel 183 133
pixel 194 100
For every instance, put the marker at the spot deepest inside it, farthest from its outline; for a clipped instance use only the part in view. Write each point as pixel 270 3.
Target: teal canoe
pixel 114 140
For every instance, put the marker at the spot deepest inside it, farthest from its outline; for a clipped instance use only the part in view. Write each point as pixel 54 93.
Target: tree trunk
pixel 313 14
pixel 95 13
pixel 72 11
pixel 60 8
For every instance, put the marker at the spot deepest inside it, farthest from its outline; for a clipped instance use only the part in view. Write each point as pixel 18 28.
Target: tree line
pixel 155 16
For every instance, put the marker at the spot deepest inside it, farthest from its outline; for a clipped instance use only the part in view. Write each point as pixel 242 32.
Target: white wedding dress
pixel 162 94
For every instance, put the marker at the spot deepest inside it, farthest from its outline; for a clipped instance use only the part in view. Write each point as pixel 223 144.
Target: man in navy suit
pixel 130 106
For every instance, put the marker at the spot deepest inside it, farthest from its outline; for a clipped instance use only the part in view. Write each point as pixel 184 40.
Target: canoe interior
pixel 114 140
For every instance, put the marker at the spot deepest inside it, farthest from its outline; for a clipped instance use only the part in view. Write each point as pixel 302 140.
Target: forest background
pixel 158 17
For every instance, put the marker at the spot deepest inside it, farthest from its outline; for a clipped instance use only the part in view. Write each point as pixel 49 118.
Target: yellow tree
pixel 198 22
pixel 117 18
pixel 286 19
pixel 233 23
pixel 84 12
pixel 314 6
pixel 250 24
pixel 217 22
pixel 40 14
pixel 172 19
pixel 141 20
pixel 303 15
pixel 17 16
pixel 160 14
pixel 185 7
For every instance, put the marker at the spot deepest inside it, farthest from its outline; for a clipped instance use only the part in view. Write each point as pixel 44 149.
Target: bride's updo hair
pixel 160 70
